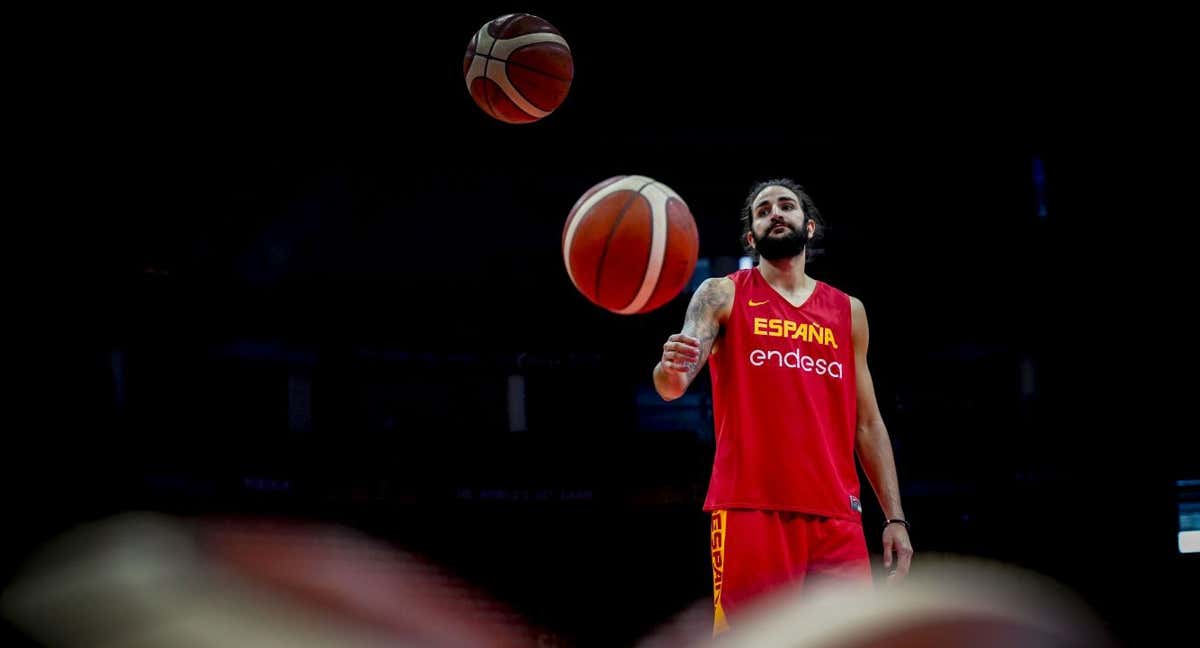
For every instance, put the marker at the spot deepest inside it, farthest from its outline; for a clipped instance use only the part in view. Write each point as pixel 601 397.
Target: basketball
pixel 630 244
pixel 518 68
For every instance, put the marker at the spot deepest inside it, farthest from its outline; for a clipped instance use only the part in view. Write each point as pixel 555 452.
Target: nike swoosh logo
pixel 754 303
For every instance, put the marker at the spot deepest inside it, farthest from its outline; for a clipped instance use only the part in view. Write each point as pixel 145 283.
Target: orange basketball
pixel 518 68
pixel 630 244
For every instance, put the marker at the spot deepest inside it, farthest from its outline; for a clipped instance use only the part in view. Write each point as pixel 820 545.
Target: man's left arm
pixel 874 448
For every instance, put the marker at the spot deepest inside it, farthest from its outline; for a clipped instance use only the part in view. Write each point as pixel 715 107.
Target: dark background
pixel 304 266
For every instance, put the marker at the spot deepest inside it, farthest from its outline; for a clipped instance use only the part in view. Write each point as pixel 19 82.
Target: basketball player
pixel 793 403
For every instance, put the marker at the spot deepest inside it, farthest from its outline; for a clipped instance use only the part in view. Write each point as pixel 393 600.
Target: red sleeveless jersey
pixel 784 403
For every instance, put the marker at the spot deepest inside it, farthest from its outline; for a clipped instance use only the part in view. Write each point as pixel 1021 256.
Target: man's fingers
pixel 904 562
pixel 675 365
pixel 685 340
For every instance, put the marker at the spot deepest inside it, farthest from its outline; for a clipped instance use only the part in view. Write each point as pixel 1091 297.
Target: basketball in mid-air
pixel 630 244
pixel 518 68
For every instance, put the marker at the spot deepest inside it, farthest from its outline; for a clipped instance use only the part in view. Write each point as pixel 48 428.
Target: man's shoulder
pixel 856 304
pixel 718 283
pixel 717 286
pixel 841 294
pixel 849 302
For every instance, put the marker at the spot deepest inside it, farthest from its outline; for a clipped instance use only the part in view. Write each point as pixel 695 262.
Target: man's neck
pixel 786 275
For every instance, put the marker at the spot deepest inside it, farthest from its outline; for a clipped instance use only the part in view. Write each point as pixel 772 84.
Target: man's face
pixel 778 227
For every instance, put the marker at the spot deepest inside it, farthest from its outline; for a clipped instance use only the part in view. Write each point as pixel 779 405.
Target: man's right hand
pixel 680 353
pixel 684 353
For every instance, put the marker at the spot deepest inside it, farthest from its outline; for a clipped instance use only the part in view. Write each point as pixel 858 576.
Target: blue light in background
pixel 1039 186
pixel 703 271
pixel 1189 515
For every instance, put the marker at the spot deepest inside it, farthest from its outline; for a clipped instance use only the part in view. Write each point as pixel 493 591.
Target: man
pixel 793 403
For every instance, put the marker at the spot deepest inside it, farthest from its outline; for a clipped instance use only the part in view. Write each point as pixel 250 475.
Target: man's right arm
pixel 685 353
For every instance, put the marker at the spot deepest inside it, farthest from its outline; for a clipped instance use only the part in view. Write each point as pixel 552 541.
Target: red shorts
pixel 755 552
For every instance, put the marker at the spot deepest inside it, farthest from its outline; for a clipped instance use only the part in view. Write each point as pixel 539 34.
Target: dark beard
pixel 781 247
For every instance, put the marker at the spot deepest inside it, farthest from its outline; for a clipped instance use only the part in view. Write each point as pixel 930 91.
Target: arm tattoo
pixel 701 319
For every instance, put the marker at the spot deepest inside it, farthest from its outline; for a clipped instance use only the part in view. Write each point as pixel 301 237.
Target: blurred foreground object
pixel 150 580
pixel 948 601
